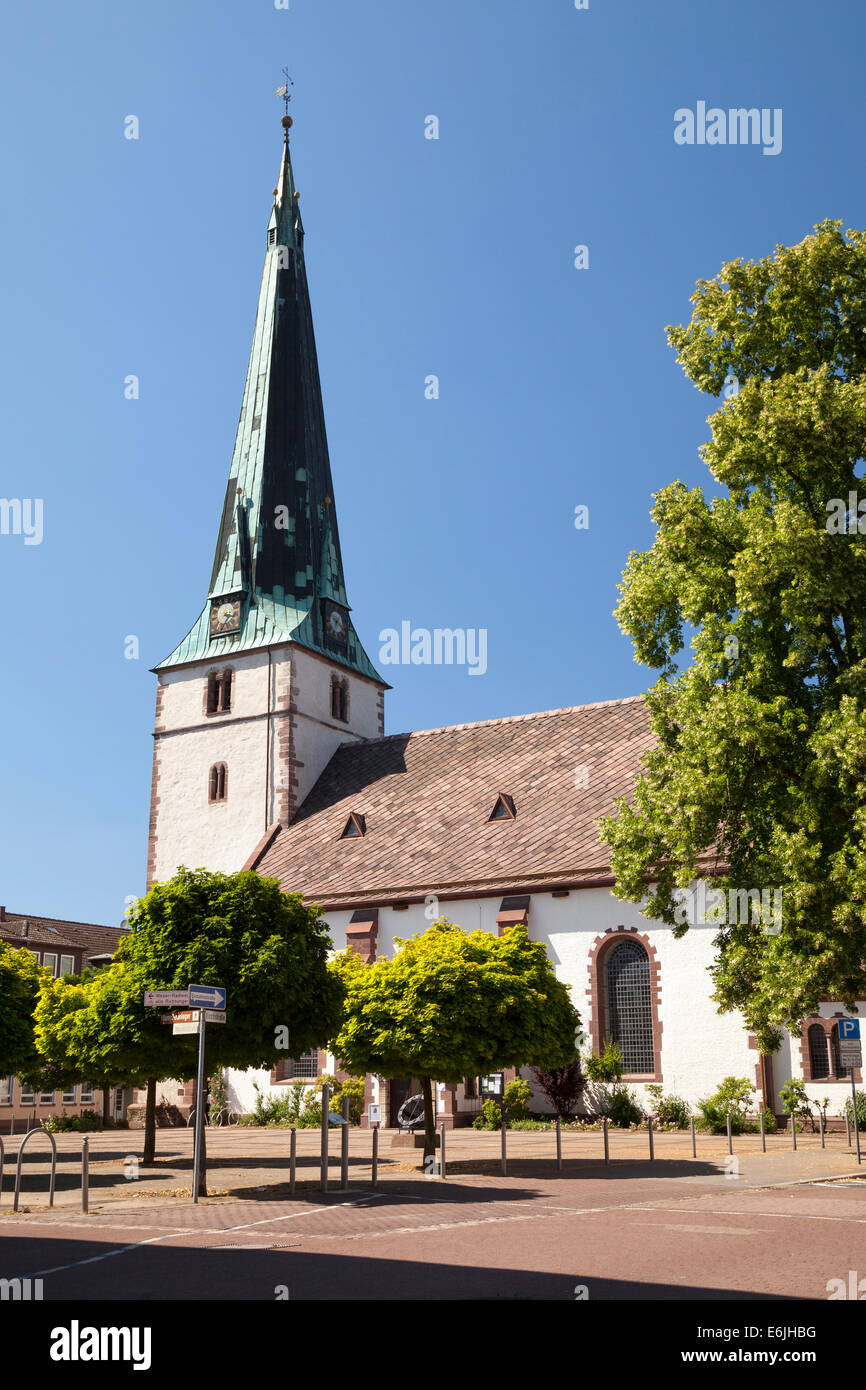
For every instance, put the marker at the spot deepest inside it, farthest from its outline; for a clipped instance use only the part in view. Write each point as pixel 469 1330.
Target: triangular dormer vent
pixel 355 827
pixel 504 808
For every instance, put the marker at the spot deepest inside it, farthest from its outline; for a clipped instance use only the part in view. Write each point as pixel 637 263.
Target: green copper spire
pixel 277 572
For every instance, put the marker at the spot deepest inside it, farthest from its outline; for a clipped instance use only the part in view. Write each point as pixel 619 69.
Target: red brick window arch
pixel 819 1051
pixel 624 993
pixel 217 789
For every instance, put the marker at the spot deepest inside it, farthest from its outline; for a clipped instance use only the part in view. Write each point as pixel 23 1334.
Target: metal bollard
pixel 763 1133
pixel 606 1144
pixel 293 1158
pixel 344 1146
pixel 821 1126
pixel 847 1130
pixel 558 1143
pixel 652 1151
pixel 375 1155
pixel 85 1173
pixel 730 1135
pixel 442 1151
pixel 504 1131
pixel 2 1161
pixel 326 1106
pixel 794 1130
pixel 694 1141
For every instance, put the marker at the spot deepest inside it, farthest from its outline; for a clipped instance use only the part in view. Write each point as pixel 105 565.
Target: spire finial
pixel 284 93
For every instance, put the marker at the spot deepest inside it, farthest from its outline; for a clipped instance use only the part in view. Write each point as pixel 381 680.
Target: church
pixel 270 753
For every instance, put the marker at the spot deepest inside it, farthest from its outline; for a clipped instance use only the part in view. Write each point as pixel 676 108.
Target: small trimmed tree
pixel 452 1004
pixel 563 1086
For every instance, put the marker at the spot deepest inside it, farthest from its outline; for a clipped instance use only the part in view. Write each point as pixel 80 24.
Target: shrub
pixel 622 1107
pixel 670 1110
pixel 518 1094
pixel 606 1066
pixel 794 1099
pixel 490 1117
pixel 64 1124
pixel 848 1110
pixel 351 1086
pixel 563 1086
pixel 769 1121
pixel 733 1097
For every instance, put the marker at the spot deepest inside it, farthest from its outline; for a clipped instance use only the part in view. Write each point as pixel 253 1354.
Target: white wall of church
pixel 317 735
pixel 700 1047
pixel 221 835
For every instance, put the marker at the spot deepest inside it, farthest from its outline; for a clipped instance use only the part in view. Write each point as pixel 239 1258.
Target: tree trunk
pixel 106 1107
pixel 429 1119
pixel 149 1155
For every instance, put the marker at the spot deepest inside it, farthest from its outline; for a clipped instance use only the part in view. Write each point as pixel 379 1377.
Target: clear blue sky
pixel 452 257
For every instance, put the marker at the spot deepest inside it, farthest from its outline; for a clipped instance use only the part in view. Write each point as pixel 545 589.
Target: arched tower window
pixel 819 1057
pixel 628 1000
pixel 340 698
pixel 217 783
pixel 219 692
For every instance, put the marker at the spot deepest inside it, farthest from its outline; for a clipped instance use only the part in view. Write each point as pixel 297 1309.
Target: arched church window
pixel 819 1057
pixel 629 1005
pixel 217 782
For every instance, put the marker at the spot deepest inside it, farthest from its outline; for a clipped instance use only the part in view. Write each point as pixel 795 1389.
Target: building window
pixel 217 783
pixel 470 1087
pixel 28 1097
pixel 69 1095
pixel 219 692
pixel 355 827
pixel 629 1005
pixel 49 960
pixel 7 1090
pixel 340 698
pixel 819 1057
pixel 303 1068
pixel 86 1093
pixel 504 808
pixel 46 1097
pixel 272 235
pixel 67 965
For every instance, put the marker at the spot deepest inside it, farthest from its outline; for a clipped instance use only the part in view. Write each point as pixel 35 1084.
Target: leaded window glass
pixel 629 1005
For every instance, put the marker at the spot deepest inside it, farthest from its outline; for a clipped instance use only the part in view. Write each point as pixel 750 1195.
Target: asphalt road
pixel 635 1233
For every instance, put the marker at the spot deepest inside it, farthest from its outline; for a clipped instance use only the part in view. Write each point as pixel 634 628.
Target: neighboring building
pixel 270 754
pixel 63 948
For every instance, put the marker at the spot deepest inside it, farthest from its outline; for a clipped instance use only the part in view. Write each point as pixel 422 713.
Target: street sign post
pixel 492 1086
pixel 213 998
pixel 850 1055
pixel 374 1114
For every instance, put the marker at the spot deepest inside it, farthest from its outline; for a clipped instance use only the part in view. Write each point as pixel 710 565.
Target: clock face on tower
pixel 225 616
pixel 336 623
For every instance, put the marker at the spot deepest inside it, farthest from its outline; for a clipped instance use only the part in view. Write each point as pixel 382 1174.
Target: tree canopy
pixel 759 769
pixel 20 979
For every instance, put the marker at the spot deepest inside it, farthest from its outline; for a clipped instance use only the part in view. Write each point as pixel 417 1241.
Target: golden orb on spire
pixel 286 122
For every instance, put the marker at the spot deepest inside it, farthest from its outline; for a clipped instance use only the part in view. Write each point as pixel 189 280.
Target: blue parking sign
pixel 849 1028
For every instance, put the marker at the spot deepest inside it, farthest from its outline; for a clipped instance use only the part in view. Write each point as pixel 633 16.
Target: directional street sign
pixel 214 1015
pixel 181 1016
pixel 180 1028
pixel 211 996
pixel 166 998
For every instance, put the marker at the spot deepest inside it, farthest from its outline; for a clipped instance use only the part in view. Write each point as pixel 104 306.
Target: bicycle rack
pixel 24 1141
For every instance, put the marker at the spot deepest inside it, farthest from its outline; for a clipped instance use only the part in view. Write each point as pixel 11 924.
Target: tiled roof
pixel 54 931
pixel 426 798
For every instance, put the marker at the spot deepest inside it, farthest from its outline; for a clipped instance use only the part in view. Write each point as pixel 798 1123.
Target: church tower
pixel 272 677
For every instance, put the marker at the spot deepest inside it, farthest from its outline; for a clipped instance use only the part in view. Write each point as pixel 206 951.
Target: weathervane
pixel 284 90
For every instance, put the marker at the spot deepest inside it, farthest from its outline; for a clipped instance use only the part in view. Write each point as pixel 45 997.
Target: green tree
pixel 74 1027
pixel 452 1004
pixel 758 773
pixel 20 978
pixel 241 931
